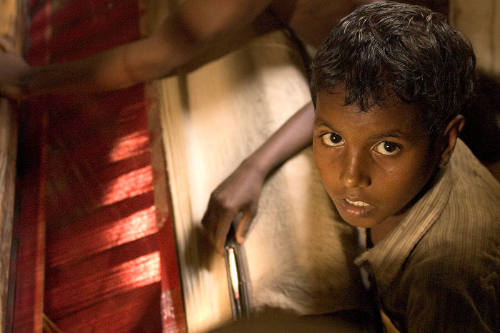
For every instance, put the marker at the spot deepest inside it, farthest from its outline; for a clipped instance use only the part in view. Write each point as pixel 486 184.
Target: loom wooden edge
pixel 12 28
pixel 8 152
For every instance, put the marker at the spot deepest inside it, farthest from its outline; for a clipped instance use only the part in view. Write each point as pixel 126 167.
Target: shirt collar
pixel 386 258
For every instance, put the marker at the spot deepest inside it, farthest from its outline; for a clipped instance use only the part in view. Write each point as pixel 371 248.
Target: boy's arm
pixel 237 196
pixel 192 28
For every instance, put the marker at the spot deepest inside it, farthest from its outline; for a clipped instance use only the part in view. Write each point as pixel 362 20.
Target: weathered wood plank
pixel 8 150
pixel 10 28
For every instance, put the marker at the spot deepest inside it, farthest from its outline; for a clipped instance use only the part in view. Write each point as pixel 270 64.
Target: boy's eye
pixel 332 139
pixel 387 148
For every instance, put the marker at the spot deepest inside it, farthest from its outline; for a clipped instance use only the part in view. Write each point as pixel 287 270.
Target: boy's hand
pixel 236 197
pixel 12 69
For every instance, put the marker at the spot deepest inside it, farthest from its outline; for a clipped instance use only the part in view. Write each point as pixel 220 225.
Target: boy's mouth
pixel 357 203
pixel 356 208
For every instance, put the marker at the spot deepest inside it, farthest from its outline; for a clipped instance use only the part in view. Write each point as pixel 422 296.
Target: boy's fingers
pixel 244 225
pixel 222 229
pixel 216 225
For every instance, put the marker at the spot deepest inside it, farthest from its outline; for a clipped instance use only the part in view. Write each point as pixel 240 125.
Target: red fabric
pixel 171 298
pixel 106 263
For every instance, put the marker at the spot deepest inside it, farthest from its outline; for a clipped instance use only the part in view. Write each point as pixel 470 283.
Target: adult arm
pixel 239 193
pixel 193 27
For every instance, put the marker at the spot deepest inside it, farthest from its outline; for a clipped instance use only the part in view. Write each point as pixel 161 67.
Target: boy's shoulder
pixel 464 160
pixel 456 262
pixel 447 290
pixel 464 238
pixel 457 218
pixel 474 197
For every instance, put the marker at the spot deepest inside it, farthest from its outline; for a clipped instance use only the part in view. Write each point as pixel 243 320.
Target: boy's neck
pixel 379 231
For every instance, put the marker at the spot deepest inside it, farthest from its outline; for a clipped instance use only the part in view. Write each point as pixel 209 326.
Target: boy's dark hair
pixel 406 49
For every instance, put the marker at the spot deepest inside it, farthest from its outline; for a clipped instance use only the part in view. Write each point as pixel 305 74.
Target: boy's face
pixel 373 163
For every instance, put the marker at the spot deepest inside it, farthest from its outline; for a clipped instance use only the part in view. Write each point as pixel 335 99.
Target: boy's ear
pixel 449 137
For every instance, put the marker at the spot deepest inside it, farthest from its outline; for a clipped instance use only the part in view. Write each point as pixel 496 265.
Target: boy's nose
pixel 355 172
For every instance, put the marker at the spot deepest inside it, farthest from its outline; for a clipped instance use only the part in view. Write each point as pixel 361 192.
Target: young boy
pixel 390 82
pixel 188 37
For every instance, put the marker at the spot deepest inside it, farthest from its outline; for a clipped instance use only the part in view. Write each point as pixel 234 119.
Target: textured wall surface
pixel 480 21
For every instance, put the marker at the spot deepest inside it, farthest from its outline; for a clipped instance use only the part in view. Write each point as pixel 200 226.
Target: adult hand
pixel 237 196
pixel 12 69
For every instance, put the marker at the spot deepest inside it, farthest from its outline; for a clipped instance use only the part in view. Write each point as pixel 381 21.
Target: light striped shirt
pixel 438 270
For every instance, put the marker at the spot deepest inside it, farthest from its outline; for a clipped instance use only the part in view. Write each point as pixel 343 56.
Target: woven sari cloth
pixel 88 190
